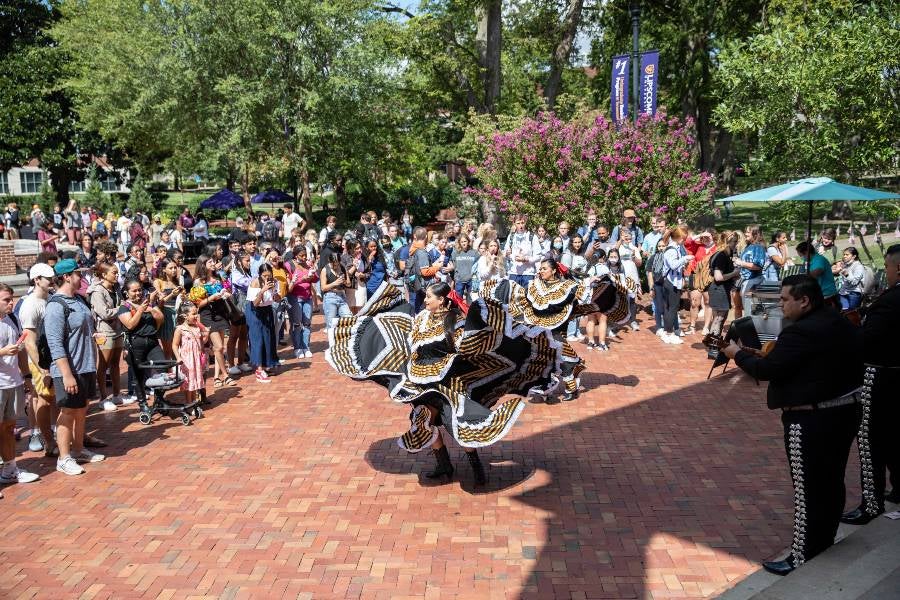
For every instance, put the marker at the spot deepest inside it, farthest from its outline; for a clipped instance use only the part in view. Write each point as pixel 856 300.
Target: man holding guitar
pixel 814 372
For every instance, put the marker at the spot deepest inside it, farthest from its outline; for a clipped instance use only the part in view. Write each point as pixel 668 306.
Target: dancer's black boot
pixel 444 466
pixel 477 467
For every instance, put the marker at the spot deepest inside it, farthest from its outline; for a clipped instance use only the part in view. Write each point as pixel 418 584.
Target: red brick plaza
pixel 654 484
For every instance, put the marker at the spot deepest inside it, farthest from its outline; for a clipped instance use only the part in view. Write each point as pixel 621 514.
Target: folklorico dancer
pixel 552 299
pixel 820 409
pixel 879 445
pixel 452 363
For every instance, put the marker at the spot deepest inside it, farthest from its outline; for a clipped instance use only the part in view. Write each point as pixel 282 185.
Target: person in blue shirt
pixel 589 232
pixel 629 220
pixel 751 264
pixel 820 268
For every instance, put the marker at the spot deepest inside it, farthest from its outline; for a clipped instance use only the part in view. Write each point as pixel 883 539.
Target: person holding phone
pixel 261 295
pixel 214 315
pixel 141 318
pixel 169 289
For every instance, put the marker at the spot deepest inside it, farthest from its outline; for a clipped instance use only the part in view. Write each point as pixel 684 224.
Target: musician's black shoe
pixel 780 567
pixel 857 516
pixel 893 496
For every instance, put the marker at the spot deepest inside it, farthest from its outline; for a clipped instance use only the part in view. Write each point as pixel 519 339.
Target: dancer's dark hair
pixel 442 290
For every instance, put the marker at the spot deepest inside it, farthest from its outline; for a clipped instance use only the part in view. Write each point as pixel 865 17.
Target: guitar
pixel 718 342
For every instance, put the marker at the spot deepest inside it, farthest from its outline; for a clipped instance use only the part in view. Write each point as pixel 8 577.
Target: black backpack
pixel 658 265
pixel 270 231
pixel 45 359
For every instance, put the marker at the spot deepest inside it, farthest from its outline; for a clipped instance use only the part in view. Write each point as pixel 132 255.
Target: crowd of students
pixel 257 289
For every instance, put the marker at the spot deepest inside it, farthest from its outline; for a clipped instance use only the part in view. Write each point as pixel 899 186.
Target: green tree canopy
pixel 819 89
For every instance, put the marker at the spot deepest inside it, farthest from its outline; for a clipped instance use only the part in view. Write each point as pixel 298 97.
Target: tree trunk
pixel 61 176
pixel 305 195
pixel 176 180
pixel 563 49
pixel 340 194
pixel 245 187
pixel 488 39
pixel 230 177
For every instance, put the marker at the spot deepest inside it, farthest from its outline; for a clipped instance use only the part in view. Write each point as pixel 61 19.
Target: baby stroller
pixel 154 367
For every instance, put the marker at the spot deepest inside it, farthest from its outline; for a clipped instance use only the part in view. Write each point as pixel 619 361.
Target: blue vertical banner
pixel 649 82
pixel 619 91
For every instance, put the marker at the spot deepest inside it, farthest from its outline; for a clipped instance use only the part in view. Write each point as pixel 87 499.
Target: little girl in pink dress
pixel 187 344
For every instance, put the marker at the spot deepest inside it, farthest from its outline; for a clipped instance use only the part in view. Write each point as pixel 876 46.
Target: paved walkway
pixel 654 484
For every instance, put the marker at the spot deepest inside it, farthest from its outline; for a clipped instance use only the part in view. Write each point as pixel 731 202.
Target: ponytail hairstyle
pixel 183 311
pixel 442 290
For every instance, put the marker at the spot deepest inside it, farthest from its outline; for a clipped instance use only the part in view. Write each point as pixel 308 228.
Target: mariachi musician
pixel 878 442
pixel 814 372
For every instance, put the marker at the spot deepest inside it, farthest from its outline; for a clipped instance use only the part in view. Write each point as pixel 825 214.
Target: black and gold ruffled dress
pixel 551 304
pixel 410 355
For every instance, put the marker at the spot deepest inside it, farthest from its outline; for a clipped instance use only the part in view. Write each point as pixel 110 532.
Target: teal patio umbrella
pixel 812 190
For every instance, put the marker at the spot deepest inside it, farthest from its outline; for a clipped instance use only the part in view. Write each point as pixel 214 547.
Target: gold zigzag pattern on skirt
pixel 493 428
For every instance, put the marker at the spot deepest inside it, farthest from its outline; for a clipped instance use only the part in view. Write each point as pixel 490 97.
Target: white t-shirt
pixel 31 313
pixel 123 225
pixel 289 223
pixel 176 238
pixel 10 375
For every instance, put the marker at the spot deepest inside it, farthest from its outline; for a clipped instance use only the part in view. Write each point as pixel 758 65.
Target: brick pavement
pixel 654 484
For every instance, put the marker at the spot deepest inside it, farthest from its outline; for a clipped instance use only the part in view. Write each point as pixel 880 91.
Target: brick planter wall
pixel 8 257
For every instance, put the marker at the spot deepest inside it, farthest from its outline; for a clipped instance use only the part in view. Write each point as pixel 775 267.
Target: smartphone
pixel 21 338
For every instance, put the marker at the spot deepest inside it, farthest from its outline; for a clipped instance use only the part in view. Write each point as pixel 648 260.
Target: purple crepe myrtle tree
pixel 552 170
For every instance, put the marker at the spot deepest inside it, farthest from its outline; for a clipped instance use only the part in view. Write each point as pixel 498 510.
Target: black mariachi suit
pixel 816 359
pixel 879 446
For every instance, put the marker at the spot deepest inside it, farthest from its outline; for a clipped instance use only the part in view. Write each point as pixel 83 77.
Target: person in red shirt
pixel 701 246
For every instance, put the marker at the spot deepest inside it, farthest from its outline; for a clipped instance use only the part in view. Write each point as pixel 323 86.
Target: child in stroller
pixel 141 319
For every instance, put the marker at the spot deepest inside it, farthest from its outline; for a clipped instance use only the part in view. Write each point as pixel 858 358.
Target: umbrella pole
pixel 809 236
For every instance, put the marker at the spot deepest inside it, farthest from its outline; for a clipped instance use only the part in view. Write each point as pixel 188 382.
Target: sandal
pixel 229 382
pixel 217 383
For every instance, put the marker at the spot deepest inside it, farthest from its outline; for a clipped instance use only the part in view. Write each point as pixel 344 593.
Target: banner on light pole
pixel 649 82
pixel 619 91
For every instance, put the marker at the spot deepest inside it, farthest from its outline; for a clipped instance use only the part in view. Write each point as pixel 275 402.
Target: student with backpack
pixel 69 331
pixel 676 259
pixel 522 251
pixel 656 272
pixel 30 313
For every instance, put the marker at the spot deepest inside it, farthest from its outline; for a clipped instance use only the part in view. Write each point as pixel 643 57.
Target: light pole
pixel 635 57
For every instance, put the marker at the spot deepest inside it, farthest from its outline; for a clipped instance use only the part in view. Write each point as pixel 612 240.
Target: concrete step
pixel 863 564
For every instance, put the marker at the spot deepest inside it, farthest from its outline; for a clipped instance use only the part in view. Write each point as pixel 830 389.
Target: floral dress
pixel 193 358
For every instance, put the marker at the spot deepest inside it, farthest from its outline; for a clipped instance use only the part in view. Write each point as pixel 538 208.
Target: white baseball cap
pixel 41 270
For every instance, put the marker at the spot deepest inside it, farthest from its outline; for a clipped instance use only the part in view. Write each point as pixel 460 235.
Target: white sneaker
pixel 129 399
pixel 673 339
pixel 68 466
pixel 245 368
pixel 88 456
pixel 308 354
pixel 109 404
pixel 661 333
pixel 18 476
pixel 679 332
pixel 299 354
pixel 234 371
pixel 635 326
